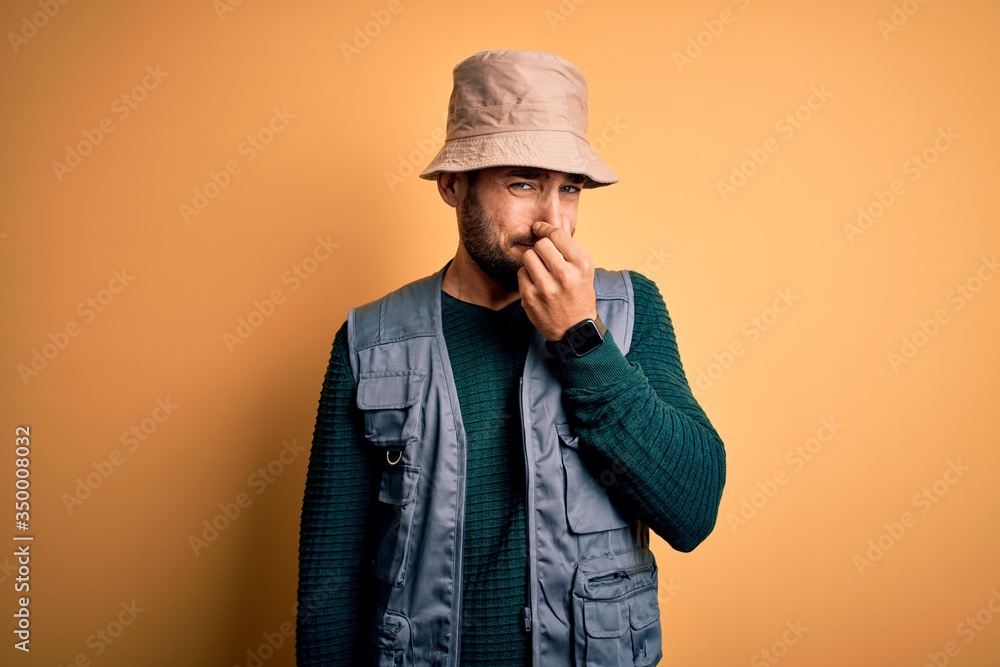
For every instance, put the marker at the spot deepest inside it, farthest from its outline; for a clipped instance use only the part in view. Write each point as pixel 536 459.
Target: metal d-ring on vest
pixel 592 579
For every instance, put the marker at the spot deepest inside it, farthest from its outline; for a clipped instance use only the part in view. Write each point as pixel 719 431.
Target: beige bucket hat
pixel 519 108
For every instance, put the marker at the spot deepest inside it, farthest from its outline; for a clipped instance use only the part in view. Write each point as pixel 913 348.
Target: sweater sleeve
pixel 334 528
pixel 637 413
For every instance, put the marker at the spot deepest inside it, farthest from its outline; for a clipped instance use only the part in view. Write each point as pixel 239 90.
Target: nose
pixel 549 210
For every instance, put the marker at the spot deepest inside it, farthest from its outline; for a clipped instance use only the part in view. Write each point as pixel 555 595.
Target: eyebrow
pixel 536 175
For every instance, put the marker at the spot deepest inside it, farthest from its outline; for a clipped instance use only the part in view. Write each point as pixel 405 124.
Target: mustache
pixel 530 239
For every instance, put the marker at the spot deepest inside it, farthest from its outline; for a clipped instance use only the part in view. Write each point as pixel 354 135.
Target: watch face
pixel 578 341
pixel 584 337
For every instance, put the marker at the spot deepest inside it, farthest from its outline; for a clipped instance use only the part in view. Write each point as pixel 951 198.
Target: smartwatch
pixel 580 339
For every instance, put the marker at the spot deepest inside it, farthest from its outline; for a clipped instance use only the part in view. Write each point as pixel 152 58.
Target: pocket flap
pixel 398 485
pixel 390 631
pixel 604 619
pixel 643 609
pixel 589 509
pixel 382 390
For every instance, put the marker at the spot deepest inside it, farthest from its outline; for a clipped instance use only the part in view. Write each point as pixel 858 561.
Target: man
pixel 494 441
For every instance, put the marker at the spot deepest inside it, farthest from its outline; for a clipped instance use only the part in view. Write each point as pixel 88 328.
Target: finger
pixel 554 260
pixel 561 239
pixel 524 280
pixel 538 273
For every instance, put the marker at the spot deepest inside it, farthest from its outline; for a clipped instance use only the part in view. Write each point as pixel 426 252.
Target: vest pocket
pixel 390 638
pixel 588 507
pixel 390 401
pixel 397 491
pixel 616 613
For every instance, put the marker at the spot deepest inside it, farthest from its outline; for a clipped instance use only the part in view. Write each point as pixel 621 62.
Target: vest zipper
pixel 529 511
pixel 612 577
pixel 455 638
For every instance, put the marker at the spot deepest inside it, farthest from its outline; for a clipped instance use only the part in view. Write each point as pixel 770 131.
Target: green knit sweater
pixel 635 410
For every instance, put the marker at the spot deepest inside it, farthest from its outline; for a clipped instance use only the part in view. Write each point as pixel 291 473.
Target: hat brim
pixel 544 149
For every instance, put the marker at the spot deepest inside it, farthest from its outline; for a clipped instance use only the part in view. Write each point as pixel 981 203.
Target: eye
pixel 515 186
pixel 572 189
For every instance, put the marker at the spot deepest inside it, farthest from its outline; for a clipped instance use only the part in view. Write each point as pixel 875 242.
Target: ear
pixel 452 186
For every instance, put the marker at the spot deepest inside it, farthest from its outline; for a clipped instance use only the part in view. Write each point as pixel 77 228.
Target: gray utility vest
pixel 592 577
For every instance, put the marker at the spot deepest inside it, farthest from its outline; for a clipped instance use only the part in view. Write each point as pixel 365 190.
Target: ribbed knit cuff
pixel 604 365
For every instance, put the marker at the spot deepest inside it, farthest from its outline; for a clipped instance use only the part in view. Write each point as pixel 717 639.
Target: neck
pixel 466 281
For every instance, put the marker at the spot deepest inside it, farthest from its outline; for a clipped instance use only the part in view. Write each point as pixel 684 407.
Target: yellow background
pixel 343 169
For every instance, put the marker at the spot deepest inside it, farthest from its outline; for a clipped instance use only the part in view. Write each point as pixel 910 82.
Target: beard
pixel 480 236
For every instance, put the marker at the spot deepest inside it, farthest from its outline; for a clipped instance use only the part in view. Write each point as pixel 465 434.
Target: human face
pixel 496 214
